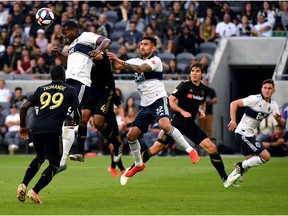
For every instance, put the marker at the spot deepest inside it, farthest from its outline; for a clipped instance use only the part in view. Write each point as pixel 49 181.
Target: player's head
pixel 196 72
pixel 148 46
pixel 58 73
pixel 268 88
pixel 70 31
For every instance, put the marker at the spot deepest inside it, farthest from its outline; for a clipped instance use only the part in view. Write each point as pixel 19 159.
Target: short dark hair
pixel 152 39
pixel 58 73
pixel 18 88
pixel 70 25
pixel 270 81
pixel 197 65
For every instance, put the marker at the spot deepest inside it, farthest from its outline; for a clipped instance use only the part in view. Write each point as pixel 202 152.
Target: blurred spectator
pixel 243 29
pixel 156 25
pixel 32 47
pixel 25 63
pixel 123 55
pixel 5 37
pixel 92 135
pixel 5 93
pixel 268 13
pixel 173 72
pixel 130 103
pixel 131 38
pixel 103 27
pixel 18 31
pixel 12 122
pixel 41 67
pixel 158 12
pixel 169 41
pixel 186 42
pixel 249 12
pixel 135 18
pixel 150 32
pixel 194 30
pixel 18 46
pixel 210 13
pixel 70 13
pixel 48 55
pixel 119 93
pixel 205 63
pixel 17 15
pixel 3 128
pixel 18 98
pixel 129 118
pixel 192 14
pixel 275 143
pixel 151 135
pixel 41 40
pixel 206 123
pixel 65 17
pixel 207 31
pixel 9 25
pixel 3 15
pixel 225 28
pixel 285 116
pixel 113 5
pixel 84 11
pixel 178 11
pixel 226 10
pixel 124 10
pixel 29 27
pixel 57 35
pixel 10 60
pixel 171 23
pixel 262 28
pixel 139 10
pixel 188 69
pixel 283 15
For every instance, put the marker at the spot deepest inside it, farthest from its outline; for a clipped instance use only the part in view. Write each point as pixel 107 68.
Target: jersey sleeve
pixel 155 63
pixel 177 92
pixel 34 98
pixel 90 37
pixel 249 101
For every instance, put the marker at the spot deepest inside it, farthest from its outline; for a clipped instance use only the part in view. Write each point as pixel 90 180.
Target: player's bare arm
pixel 202 110
pixel 173 101
pixel 57 52
pixel 233 110
pixel 103 43
pixel 24 130
pixel 120 64
pixel 279 119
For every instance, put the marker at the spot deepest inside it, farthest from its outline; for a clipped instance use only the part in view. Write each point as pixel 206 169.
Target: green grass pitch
pixel 168 186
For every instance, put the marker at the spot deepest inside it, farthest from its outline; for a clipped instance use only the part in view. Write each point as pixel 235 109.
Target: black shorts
pixel 48 146
pixel 155 111
pixel 249 145
pixel 83 91
pixel 100 102
pixel 193 132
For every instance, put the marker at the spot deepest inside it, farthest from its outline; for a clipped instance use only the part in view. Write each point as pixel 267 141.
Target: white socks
pixel 253 161
pixel 179 139
pixel 68 136
pixel 135 150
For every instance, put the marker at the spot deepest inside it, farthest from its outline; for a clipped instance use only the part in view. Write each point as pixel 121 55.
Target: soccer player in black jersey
pixel 51 102
pixel 188 100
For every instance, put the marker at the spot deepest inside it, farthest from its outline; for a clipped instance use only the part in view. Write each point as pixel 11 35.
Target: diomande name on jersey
pixel 149 84
pixel 257 109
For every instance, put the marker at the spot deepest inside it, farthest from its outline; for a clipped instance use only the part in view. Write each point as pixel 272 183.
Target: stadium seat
pixel 112 16
pixel 166 57
pixel 131 55
pixel 114 36
pixel 6 107
pixel 114 47
pixel 182 66
pixel 207 47
pixel 200 55
pixel 184 58
pixel 121 25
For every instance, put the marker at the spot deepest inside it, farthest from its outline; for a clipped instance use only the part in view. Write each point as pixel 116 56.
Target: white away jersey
pixel 149 84
pixel 79 62
pixel 257 109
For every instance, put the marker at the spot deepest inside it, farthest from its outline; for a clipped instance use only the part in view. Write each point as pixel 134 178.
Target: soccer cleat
pixel 123 178
pixel 134 170
pixel 113 171
pixel 194 156
pixel 34 196
pixel 61 168
pixel 123 171
pixel 21 192
pixel 77 157
pixel 239 168
pixel 230 181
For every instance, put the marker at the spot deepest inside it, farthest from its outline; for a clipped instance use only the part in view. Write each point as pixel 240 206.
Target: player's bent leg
pixel 68 136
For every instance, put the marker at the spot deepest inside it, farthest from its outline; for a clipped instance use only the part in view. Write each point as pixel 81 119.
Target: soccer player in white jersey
pixel 154 101
pixel 258 107
pixel 83 47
